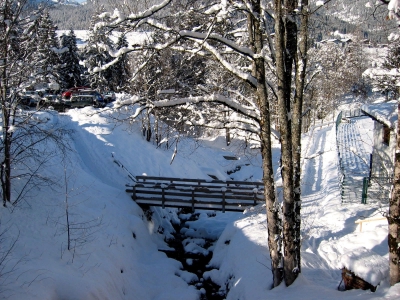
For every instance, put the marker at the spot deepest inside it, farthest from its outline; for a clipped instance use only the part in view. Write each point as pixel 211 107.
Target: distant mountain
pixel 70 14
pixel 69 2
pixel 56 2
pixel 356 17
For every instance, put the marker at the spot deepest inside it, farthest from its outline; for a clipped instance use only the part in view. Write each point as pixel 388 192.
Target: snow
pixel 119 258
pixel 393 7
pixel 133 38
pixel 384 112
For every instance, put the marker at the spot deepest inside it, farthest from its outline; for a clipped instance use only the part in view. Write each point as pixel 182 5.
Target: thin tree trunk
pixel 394 216
pixel 301 63
pixel 283 40
pixel 6 165
pixel 156 128
pixel 273 220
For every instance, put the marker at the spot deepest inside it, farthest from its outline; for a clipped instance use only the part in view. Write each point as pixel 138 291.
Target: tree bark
pixel 301 64
pixel 272 207
pixel 394 216
pixel 5 107
pixel 284 36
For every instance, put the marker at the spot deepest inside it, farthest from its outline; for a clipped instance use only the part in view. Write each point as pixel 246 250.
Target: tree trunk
pixel 273 220
pixel 156 128
pixel 6 109
pixel 227 131
pixel 6 164
pixel 148 131
pixel 301 64
pixel 394 216
pixel 285 45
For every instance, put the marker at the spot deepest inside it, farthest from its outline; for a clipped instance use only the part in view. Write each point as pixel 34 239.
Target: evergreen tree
pixel 385 77
pixel 46 59
pixel 120 72
pixel 389 83
pixel 70 69
pixel 96 55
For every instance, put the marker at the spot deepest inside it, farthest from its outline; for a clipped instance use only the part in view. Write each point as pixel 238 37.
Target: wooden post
pixel 370 166
pixel 134 193
pixel 364 191
pixel 223 201
pixel 193 200
pixel 163 198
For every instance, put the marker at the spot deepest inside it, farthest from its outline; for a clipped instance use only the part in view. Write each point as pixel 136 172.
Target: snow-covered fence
pixel 196 193
pixel 341 174
pixel 353 164
pixel 353 113
pixel 338 121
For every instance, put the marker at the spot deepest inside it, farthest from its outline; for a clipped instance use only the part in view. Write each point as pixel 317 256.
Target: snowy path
pixel 321 199
pixel 323 213
pixel 319 146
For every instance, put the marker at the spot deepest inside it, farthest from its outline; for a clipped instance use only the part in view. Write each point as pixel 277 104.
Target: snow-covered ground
pixel 82 37
pixel 114 250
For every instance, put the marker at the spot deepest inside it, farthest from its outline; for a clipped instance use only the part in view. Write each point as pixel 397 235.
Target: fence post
pixel 134 192
pixel 163 198
pixel 342 186
pixel 364 190
pixel 370 166
pixel 223 201
pixel 193 199
pixel 338 120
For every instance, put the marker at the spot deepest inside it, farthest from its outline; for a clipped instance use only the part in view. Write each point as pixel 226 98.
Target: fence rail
pixel 353 113
pixel 353 185
pixel 196 193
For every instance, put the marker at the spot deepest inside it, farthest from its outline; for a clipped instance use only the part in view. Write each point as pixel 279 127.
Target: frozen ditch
pixel 194 252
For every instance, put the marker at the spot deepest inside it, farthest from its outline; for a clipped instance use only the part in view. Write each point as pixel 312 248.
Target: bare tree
pixel 237 38
pixel 22 131
pixel 6 265
pixel 79 230
pixel 394 204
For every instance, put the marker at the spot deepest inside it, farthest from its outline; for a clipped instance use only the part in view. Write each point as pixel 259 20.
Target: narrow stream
pixel 195 263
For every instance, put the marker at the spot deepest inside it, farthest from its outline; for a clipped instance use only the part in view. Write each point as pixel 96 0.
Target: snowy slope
pixel 114 253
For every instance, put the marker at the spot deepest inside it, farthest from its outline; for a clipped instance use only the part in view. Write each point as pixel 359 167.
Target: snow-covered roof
pixel 385 113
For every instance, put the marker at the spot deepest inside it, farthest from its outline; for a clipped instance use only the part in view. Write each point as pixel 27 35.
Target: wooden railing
pixel 196 193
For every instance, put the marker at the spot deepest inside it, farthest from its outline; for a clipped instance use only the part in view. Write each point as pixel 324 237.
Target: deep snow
pixel 115 253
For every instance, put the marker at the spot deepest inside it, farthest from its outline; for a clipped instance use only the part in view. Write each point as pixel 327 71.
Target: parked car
pixel 29 98
pixel 67 94
pixel 84 98
pixel 109 96
pixel 52 101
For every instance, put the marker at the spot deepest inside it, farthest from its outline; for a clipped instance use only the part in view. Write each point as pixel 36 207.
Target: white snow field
pixel 115 248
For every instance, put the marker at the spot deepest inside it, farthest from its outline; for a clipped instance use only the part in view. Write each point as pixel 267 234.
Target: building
pixel 385 117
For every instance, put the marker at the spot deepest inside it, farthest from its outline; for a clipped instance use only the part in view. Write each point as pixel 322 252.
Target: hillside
pixel 114 251
pixel 356 18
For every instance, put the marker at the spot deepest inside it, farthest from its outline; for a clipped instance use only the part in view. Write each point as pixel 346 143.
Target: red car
pixel 67 93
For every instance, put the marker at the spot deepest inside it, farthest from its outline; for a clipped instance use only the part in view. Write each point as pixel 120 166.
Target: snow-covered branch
pixel 118 18
pixel 231 103
pixel 203 36
pixel 241 110
pixel 228 66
